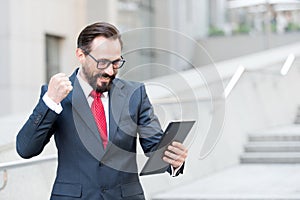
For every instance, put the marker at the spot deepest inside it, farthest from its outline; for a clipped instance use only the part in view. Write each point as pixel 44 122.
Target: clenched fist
pixel 59 87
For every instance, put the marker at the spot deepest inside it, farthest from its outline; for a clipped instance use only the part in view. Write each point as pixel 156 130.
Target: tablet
pixel 175 131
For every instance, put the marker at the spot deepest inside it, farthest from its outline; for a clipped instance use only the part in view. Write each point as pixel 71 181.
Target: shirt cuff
pixel 174 171
pixel 51 104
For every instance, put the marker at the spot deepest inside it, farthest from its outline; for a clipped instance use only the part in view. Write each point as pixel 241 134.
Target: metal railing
pixel 22 163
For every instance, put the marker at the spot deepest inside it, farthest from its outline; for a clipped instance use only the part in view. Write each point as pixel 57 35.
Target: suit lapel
pixel 84 120
pixel 117 98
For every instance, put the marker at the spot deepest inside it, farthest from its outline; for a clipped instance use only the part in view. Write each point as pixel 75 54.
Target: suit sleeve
pixel 37 130
pixel 149 128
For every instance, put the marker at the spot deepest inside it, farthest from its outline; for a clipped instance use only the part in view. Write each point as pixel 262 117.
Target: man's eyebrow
pixel 109 59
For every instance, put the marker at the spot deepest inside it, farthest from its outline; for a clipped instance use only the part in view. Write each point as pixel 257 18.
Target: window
pixel 53 44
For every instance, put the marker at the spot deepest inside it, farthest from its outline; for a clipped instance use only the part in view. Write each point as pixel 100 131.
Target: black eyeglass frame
pixel 122 60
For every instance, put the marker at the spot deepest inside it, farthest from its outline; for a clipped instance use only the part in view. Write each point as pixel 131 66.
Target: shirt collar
pixel 87 89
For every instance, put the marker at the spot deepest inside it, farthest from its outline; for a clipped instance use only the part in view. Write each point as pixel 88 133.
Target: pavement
pixel 243 182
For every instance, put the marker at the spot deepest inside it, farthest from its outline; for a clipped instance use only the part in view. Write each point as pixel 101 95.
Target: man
pixel 95 119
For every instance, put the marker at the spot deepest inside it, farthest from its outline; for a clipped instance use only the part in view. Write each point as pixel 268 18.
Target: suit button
pixel 37 119
pixel 100 164
pixel 103 189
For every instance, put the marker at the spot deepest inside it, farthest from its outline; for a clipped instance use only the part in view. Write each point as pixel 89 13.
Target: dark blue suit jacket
pixel 85 170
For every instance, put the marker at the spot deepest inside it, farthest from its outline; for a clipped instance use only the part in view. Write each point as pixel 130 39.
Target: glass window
pixel 53 44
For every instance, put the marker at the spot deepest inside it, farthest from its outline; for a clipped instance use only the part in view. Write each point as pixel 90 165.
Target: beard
pixel 92 80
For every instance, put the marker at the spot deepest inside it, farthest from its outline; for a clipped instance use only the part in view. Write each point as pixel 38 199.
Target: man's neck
pixel 81 74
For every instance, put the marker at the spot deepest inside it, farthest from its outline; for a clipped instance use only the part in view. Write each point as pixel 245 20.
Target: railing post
pixel 5 179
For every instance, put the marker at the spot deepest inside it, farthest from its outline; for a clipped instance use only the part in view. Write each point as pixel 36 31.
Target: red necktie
pixel 99 115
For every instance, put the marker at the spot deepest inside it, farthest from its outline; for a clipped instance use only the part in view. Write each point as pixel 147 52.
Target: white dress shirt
pixel 87 89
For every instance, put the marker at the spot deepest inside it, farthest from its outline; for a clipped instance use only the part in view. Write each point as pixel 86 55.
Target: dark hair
pixel 89 33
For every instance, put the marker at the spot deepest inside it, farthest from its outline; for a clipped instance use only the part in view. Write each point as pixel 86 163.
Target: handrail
pixel 234 80
pixel 22 163
pixel 287 64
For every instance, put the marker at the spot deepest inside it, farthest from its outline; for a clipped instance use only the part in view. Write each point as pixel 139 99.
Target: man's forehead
pixel 105 43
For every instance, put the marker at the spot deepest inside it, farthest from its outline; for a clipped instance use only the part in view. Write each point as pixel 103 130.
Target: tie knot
pixel 95 94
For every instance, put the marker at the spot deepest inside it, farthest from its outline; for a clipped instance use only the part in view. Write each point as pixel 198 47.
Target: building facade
pixel 38 39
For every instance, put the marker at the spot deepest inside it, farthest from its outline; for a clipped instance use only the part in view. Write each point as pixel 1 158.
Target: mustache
pixel 105 75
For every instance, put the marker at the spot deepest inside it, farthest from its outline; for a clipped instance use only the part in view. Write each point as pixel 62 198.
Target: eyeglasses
pixel 105 63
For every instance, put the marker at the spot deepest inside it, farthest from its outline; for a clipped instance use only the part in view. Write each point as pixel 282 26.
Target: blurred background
pixel 188 52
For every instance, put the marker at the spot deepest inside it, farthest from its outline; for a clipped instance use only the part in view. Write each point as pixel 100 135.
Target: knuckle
pixel 61 83
pixel 171 161
pixel 180 158
pixel 166 153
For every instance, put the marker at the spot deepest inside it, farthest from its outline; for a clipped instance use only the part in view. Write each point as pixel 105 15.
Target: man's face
pixel 101 49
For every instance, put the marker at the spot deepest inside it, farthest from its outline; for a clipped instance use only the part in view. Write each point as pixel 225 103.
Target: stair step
pixel 274 137
pixel 279 158
pixel 262 146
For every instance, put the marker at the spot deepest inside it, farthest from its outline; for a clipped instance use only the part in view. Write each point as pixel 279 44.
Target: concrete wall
pixel 22 48
pixel 228 47
pixel 5 56
pixel 102 10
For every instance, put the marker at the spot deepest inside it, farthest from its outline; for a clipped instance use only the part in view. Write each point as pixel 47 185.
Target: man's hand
pixel 175 154
pixel 59 87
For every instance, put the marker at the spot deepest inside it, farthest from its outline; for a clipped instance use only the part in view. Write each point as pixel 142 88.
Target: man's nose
pixel 109 70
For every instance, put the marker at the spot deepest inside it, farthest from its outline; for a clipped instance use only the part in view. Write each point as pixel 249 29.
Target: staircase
pixel 272 148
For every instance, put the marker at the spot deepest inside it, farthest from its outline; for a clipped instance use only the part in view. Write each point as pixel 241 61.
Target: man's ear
pixel 80 55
